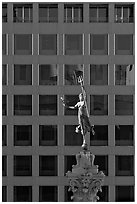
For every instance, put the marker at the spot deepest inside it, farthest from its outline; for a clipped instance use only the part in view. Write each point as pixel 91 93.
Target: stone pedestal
pixel 85 180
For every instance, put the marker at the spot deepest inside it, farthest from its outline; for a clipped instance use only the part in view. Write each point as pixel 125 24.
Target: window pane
pixel 102 162
pixel 4 44
pixel 47 165
pixel 4 105
pixel 47 44
pixel 124 75
pixel 22 135
pixel 103 196
pixel 124 13
pixel 22 165
pixel 22 13
pixel 4 165
pixel 99 74
pixel 98 13
pixel 71 137
pixel 4 135
pixel 4 74
pixel 22 74
pixel 124 193
pixel 71 100
pixel 22 194
pixel 73 45
pixel 22 44
pixel 122 48
pixel 124 104
pixel 99 105
pixel 4 193
pixel 122 169
pixel 48 13
pixel 4 13
pixel 48 105
pixel 100 138
pixel 68 194
pixel 48 194
pixel 69 161
pixel 48 135
pixel 93 14
pixel 22 105
pixel 48 74
pixel 73 13
pixel 103 14
pixel 99 44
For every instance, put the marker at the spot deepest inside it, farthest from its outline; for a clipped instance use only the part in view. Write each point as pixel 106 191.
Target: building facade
pixel 42 46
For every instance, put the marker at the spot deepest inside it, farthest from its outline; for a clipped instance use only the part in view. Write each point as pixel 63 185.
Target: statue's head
pixel 81 97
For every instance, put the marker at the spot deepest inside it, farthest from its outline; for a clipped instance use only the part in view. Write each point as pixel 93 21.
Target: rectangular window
pixel 4 193
pixel 124 193
pixel 124 75
pixel 124 13
pixel 4 74
pixel 124 165
pixel 4 104
pixel 124 105
pixel 22 13
pixel 22 193
pixel 71 137
pixel 101 136
pixel 22 105
pixel 48 74
pixel 73 13
pixel 22 165
pixel 123 44
pixel 98 13
pixel 22 74
pixel 99 74
pixel 22 135
pixel 48 135
pixel 4 13
pixel 48 13
pixel 99 44
pixel 124 135
pixel 4 44
pixel 73 44
pixel 48 44
pixel 71 73
pixel 4 165
pixel 22 44
pixel 99 104
pixel 4 135
pixel 102 162
pixel 71 100
pixel 48 105
pixel 48 194
pixel 48 166
pixel 69 161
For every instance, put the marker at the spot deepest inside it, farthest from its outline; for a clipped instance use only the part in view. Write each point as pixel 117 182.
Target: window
pixel 48 166
pixel 48 13
pixel 71 137
pixel 124 165
pixel 48 194
pixel 124 193
pixel 124 75
pixel 73 13
pixel 124 135
pixel 124 13
pixel 4 44
pixel 101 136
pixel 22 75
pixel 48 105
pixel 22 135
pixel 98 13
pixel 22 13
pixel 22 44
pixel 102 162
pixel 68 194
pixel 4 74
pixel 4 165
pixel 69 161
pixel 4 193
pixel 70 71
pixel 48 74
pixel 99 44
pixel 73 44
pixel 4 105
pixel 124 105
pixel 22 193
pixel 71 100
pixel 99 105
pixel 48 135
pixel 4 135
pixel 22 105
pixel 22 165
pixel 99 74
pixel 103 196
pixel 48 44
pixel 122 48
pixel 4 13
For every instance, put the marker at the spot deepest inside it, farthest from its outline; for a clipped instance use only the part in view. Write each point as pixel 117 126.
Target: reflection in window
pixel 47 165
pixel 4 165
pixel 4 105
pixel 22 193
pixel 124 135
pixel 70 74
pixel 22 135
pixel 22 165
pixel 124 105
pixel 22 13
pixel 48 44
pixel 22 44
pixel 98 74
pixel 101 136
pixel 4 13
pixel 4 135
pixel 48 105
pixel 124 193
pixel 48 74
pixel 71 100
pixel 73 44
pixel 99 105
pixel 98 13
pixel 122 48
pixel 102 162
pixel 124 13
pixel 48 135
pixel 124 75
pixel 99 44
pixel 4 44
pixel 48 13
pixel 124 165
pixel 4 74
pixel 22 74
pixel 73 13
pixel 48 194
pixel 4 193
pixel 71 137
pixel 22 105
